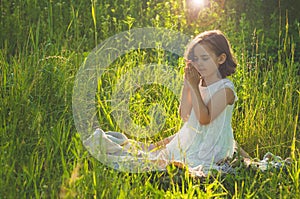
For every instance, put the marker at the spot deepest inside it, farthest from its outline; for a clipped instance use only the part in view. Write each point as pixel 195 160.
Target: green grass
pixel 43 45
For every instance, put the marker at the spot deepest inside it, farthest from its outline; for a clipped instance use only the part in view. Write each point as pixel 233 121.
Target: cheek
pixel 197 68
pixel 212 64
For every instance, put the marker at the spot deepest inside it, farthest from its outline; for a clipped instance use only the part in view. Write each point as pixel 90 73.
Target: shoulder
pixel 230 96
pixel 227 87
pixel 226 83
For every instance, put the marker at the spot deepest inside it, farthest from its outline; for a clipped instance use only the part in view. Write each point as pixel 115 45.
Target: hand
pixel 191 74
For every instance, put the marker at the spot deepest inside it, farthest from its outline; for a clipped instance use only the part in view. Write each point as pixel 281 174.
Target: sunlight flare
pixel 198 3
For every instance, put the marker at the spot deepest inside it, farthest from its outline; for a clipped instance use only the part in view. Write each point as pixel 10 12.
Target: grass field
pixel 43 45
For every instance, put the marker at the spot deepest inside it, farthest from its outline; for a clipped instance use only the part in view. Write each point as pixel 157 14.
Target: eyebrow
pixel 204 55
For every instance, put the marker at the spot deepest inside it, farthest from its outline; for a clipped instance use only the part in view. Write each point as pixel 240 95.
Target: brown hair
pixel 218 43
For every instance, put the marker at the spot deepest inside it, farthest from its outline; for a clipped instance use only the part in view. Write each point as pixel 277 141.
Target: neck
pixel 209 81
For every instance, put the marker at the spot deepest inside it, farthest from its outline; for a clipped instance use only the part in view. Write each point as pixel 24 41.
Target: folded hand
pixel 191 74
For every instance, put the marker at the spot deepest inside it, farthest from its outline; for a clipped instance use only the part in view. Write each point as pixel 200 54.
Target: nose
pixel 196 63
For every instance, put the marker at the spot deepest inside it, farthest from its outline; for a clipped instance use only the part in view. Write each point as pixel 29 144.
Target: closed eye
pixel 203 58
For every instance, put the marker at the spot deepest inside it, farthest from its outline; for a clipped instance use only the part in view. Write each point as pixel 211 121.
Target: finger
pixel 195 71
pixel 187 68
pixel 192 71
pixel 187 61
pixel 192 65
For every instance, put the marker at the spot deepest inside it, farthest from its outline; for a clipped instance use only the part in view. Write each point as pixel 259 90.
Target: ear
pixel 222 58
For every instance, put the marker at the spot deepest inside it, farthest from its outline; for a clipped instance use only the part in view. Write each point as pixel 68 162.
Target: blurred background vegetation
pixel 44 42
pixel 70 25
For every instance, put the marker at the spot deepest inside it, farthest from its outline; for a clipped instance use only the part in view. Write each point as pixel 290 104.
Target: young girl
pixel 207 102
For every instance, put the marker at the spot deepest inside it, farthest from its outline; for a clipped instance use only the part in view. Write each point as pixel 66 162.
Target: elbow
pixel 184 117
pixel 204 117
pixel 204 121
pixel 184 114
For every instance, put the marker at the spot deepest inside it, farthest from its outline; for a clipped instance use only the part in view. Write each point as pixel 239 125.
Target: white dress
pixel 204 145
pixel 198 146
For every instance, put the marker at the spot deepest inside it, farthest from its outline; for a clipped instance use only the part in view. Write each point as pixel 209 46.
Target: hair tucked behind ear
pixel 218 43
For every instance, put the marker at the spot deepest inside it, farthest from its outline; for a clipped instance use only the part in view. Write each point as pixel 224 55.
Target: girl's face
pixel 205 61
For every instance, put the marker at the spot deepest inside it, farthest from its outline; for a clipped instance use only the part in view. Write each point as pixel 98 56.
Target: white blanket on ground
pixel 115 150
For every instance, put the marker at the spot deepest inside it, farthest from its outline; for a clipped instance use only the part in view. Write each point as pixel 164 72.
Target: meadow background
pixel 43 44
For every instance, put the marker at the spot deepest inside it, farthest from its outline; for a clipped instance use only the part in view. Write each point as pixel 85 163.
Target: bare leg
pixel 246 157
pixel 164 142
pixel 241 151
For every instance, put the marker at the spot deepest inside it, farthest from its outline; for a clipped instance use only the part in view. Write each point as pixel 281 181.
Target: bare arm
pixel 207 113
pixel 185 106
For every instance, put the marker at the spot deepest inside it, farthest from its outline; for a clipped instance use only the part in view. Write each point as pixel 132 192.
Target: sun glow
pixel 198 3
